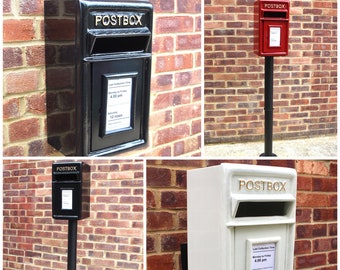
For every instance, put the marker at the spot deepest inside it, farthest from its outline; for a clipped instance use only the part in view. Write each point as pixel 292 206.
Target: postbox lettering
pixel 108 20
pixel 66 169
pixel 261 185
pixel 275 6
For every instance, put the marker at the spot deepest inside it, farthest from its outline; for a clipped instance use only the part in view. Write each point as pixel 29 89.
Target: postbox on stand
pixel 241 217
pixel 71 200
pixel 271 27
pixel 271 32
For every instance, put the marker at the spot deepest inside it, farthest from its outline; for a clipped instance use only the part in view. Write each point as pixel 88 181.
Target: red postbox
pixel 271 27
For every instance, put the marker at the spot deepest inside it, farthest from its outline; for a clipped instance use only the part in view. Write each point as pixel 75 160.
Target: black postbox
pixel 70 190
pixel 113 71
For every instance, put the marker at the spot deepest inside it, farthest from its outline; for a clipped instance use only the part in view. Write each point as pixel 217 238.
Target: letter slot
pixel 241 217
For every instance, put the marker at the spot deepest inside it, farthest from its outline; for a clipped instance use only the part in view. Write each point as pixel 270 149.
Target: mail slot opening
pixel 120 44
pixel 66 177
pixel 271 14
pixel 262 209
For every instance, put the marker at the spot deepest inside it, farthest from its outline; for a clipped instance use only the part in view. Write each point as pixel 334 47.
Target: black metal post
pixel 268 107
pixel 184 256
pixel 72 244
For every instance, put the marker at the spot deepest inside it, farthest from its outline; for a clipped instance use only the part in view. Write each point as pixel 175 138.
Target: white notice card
pixel 66 199
pixel 118 107
pixel 274 36
pixel 263 256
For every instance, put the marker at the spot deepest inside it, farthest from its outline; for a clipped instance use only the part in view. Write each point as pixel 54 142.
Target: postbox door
pixel 66 203
pixel 119 102
pixel 261 247
pixel 275 37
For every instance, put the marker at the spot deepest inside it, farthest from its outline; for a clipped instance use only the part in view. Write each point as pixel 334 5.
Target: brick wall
pixel 316 213
pixel 23 76
pixel 175 105
pixel 305 81
pixel 111 238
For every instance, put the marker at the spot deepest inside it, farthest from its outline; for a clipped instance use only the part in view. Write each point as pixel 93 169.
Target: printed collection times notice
pixel 118 107
pixel 263 256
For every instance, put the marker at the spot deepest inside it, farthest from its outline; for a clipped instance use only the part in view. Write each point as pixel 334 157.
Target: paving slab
pixel 316 148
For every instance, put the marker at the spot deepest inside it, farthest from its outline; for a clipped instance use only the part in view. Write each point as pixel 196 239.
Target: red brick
pixel 187 112
pixel 309 231
pixel 173 199
pixel 333 170
pixel 131 199
pixel 163 44
pixel 150 200
pixel 196 129
pixel 173 24
pixel 171 134
pixel 69 8
pixel 187 78
pixel 162 151
pixel 159 221
pixel 188 42
pixel 11 108
pixel 333 230
pixel 162 82
pixel 29 81
pixel 158 177
pixel 18 30
pixel 150 244
pixel 7 8
pixel 172 242
pixel 12 57
pixel 312 200
pixel 35 55
pixel 312 167
pixel 324 184
pixel 166 100
pixel 24 129
pixel 165 63
pixel 29 7
pixel 59 123
pixel 324 214
pixel 36 104
pixel 59 78
pixel 160 119
pixel 304 183
pixel 157 262
pixel 332 259
pixel 324 244
pixel 60 29
pixel 303 247
pixel 311 261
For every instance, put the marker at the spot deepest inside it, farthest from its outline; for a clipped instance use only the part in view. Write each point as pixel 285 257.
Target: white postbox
pixel 241 217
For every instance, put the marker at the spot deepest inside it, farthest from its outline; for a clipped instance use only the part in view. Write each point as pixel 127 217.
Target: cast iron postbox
pixel 70 190
pixel 241 217
pixel 271 27
pixel 113 42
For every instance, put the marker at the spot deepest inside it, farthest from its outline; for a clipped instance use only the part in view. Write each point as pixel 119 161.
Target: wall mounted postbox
pixel 70 190
pixel 241 217
pixel 113 75
pixel 271 27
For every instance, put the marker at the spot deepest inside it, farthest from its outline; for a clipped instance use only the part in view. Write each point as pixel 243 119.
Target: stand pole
pixel 268 107
pixel 72 245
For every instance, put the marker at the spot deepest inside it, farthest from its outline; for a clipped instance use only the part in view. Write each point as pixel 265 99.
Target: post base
pixel 268 155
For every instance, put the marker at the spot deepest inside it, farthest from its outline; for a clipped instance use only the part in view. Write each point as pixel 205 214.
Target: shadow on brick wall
pixel 60 74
